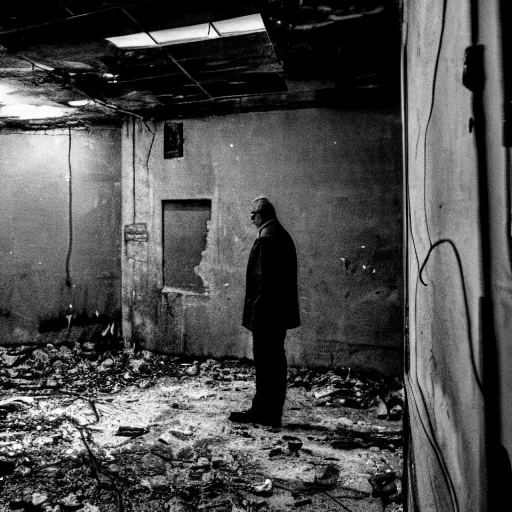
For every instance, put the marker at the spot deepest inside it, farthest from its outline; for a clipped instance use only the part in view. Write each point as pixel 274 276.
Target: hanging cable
pixel 434 444
pixel 427 426
pixel 150 147
pixel 466 302
pixel 431 111
pixel 70 214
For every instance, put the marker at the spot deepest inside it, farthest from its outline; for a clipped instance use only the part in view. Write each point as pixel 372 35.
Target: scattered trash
pixel 265 489
pixel 132 431
pixel 56 450
pixel 384 483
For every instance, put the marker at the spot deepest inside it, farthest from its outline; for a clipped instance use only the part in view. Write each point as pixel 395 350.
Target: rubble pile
pixel 68 443
pixel 346 388
pixel 31 368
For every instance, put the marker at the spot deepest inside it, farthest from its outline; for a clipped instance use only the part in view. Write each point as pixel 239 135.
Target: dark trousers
pixel 271 371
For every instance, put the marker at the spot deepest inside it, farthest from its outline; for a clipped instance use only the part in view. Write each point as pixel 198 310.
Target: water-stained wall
pixel 335 179
pixel 60 225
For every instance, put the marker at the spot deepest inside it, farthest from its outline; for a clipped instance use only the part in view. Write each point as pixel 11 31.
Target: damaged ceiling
pixel 75 61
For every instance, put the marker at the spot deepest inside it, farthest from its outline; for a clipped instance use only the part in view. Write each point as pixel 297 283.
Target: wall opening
pixel 185 227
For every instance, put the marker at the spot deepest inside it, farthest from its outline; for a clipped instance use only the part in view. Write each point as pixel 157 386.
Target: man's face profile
pixel 256 218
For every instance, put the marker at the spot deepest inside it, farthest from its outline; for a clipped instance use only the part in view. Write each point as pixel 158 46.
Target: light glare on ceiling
pixel 22 111
pixel 241 25
pixel 79 103
pixel 184 34
pixel 132 41
pixel 224 28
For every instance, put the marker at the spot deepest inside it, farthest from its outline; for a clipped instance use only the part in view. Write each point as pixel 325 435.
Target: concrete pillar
pixel 137 220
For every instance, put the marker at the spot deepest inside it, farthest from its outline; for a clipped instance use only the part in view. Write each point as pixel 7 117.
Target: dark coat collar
pixel 264 225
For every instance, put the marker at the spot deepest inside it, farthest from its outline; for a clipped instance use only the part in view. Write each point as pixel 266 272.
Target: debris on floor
pixel 87 425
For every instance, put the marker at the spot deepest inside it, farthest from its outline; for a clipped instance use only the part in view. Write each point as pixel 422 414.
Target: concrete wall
pixel 444 353
pixel 335 178
pixel 34 227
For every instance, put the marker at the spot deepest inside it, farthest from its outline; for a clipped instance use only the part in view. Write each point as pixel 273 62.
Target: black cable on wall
pixel 70 215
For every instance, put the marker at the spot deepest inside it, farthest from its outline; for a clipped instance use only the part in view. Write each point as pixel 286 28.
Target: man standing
pixel 271 307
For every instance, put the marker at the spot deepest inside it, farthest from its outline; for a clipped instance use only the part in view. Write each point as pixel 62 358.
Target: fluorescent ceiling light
pixel 242 25
pixel 22 111
pixel 184 34
pixel 204 31
pixel 132 41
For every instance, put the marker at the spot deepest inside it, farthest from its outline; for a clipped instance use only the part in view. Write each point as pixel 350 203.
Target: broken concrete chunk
pixel 39 498
pixel 70 502
pixel 329 475
pixel 382 410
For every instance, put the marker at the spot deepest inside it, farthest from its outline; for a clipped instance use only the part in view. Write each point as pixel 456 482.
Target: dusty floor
pixel 62 410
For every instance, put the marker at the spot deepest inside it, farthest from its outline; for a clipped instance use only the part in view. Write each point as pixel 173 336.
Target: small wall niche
pixel 185 228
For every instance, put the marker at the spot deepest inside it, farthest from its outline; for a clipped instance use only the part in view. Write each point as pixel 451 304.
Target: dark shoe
pixel 243 417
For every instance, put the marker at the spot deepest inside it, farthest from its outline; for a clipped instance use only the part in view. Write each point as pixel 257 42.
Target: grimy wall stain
pixel 335 179
pixel 36 257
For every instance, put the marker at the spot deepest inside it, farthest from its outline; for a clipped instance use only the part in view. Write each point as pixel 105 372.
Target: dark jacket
pixel 271 298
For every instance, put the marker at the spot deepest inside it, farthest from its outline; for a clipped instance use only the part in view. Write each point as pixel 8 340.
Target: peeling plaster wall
pixel 335 179
pixel 34 222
